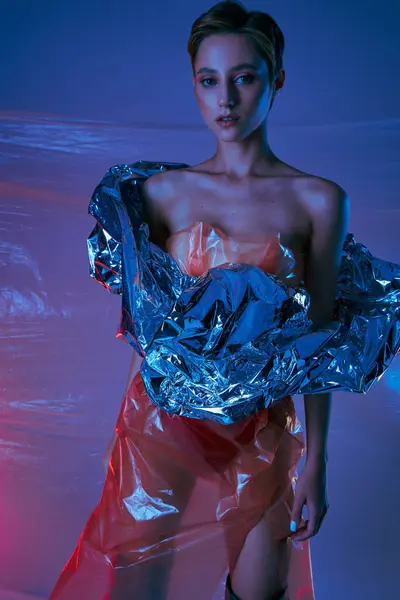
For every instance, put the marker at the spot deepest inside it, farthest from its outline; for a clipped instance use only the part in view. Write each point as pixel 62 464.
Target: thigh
pixel 148 489
pixel 263 564
pixel 142 568
pixel 262 567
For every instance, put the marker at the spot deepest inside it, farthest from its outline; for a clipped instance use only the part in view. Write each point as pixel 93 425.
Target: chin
pixel 228 135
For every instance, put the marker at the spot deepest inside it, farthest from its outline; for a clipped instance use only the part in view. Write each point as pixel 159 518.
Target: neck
pixel 250 156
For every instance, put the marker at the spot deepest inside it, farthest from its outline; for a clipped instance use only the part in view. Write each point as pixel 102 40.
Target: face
pixel 231 78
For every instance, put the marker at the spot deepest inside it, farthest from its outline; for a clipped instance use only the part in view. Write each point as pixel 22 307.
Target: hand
pixel 310 490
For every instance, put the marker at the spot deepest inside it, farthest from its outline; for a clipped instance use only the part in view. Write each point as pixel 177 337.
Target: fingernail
pixel 293 526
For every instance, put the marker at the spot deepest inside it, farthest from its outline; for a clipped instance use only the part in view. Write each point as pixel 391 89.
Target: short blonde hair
pixel 233 17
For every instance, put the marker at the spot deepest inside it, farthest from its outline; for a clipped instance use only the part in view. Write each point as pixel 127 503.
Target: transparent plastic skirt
pixel 180 497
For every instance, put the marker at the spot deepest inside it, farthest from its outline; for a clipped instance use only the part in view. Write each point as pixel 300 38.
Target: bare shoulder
pixel 160 192
pixel 162 187
pixel 324 199
pixel 327 205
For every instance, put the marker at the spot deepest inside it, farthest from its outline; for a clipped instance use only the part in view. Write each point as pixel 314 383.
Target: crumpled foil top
pixel 225 344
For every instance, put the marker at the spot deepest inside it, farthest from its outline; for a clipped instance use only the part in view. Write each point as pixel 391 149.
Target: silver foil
pixel 228 343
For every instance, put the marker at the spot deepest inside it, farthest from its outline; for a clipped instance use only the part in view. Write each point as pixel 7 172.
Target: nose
pixel 226 96
pixel 226 102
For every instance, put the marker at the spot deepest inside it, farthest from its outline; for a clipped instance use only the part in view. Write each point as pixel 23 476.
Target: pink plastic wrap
pixel 181 495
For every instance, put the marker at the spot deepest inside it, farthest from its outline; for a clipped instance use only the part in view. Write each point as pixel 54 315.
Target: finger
pixel 296 513
pixel 322 517
pixel 300 535
pixel 312 526
pixel 303 534
pixel 326 508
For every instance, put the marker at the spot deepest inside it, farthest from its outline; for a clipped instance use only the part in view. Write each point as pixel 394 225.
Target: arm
pixel 330 216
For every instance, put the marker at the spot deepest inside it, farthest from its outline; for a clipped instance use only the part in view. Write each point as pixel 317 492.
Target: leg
pixel 262 568
pixel 230 595
pixel 147 576
pixel 260 563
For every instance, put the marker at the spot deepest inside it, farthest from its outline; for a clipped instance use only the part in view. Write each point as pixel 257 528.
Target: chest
pixel 255 211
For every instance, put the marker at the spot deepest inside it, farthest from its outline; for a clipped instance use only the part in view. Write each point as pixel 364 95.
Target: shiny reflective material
pixel 226 343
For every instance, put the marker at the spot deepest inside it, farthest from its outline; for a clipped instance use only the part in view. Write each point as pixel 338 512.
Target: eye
pixel 206 81
pixel 247 77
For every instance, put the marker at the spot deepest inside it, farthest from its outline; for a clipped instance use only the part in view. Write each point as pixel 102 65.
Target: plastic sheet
pixel 180 497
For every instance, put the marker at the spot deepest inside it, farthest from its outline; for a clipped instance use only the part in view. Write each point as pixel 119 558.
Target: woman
pixel 188 502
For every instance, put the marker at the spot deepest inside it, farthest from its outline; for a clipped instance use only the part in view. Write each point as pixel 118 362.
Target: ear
pixel 277 85
pixel 279 81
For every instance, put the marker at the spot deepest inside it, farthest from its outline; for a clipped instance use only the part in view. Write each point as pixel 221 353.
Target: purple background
pixel 87 85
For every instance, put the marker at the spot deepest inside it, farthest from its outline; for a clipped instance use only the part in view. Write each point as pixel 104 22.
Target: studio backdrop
pixel 85 85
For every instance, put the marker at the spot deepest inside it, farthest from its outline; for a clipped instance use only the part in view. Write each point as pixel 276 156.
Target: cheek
pixel 206 101
pixel 260 102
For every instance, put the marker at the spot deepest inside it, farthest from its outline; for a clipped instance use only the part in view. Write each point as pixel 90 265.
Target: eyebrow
pixel 236 68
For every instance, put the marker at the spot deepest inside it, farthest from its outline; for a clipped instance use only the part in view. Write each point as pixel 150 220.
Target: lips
pixel 227 118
